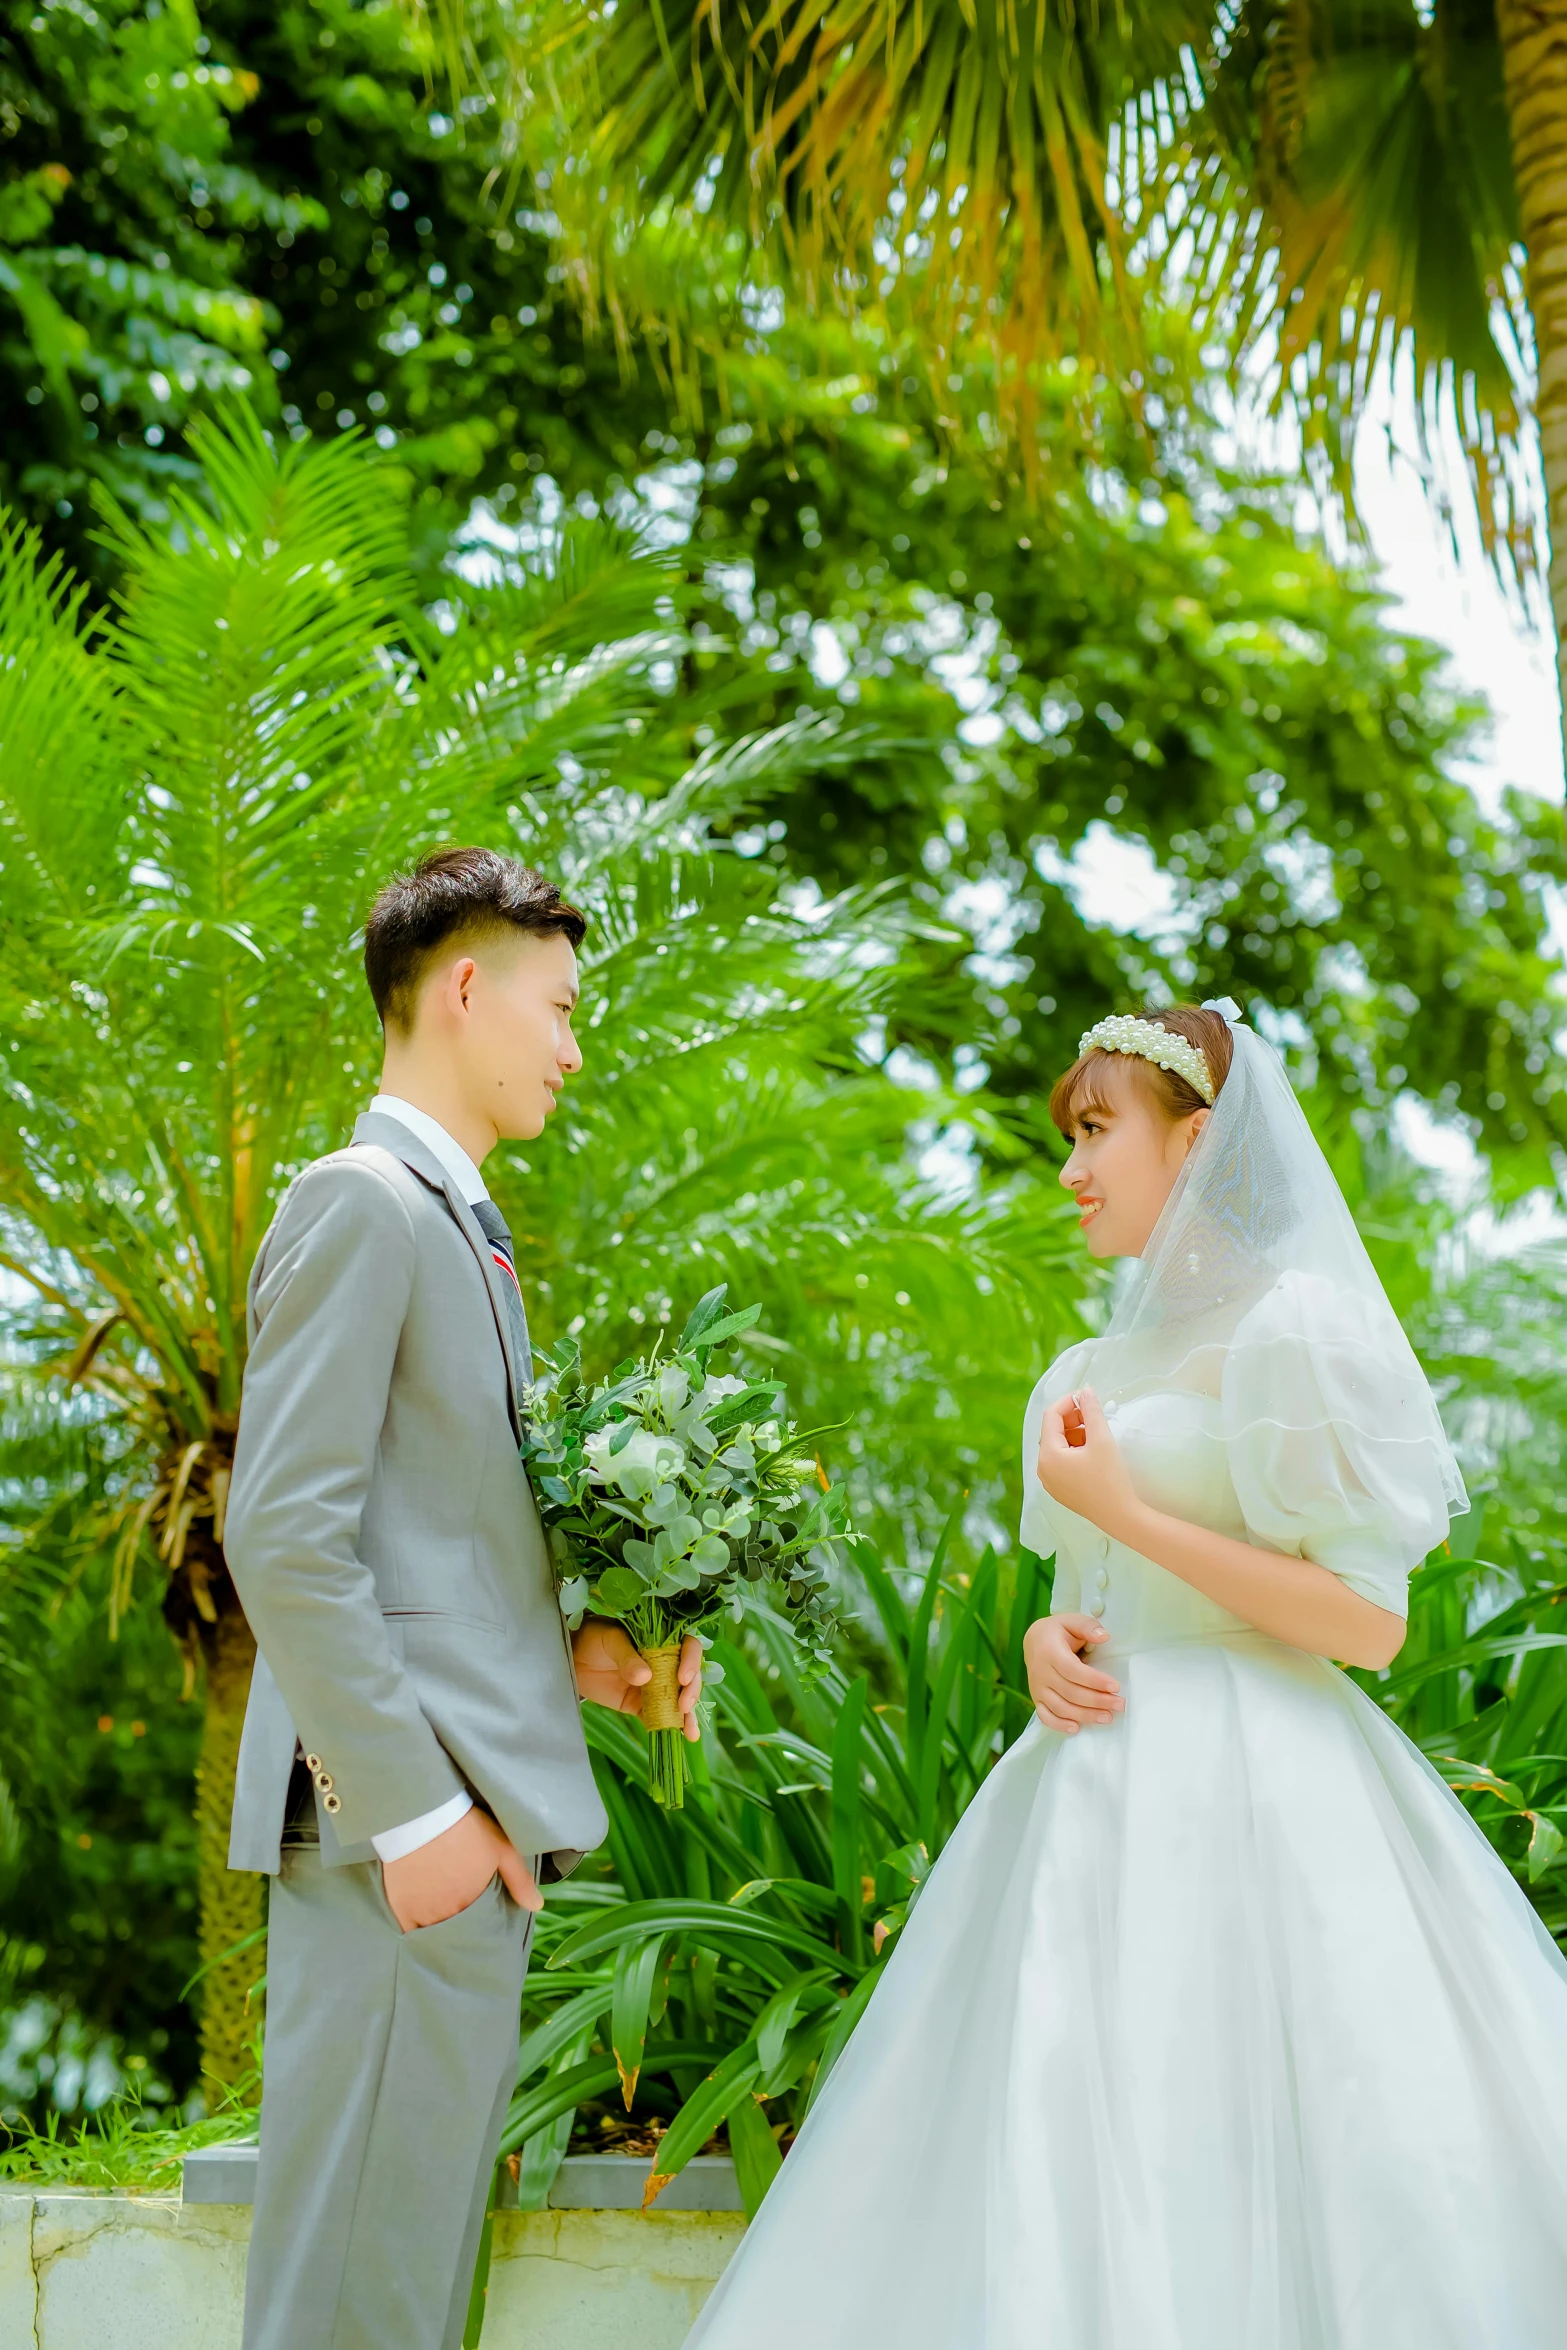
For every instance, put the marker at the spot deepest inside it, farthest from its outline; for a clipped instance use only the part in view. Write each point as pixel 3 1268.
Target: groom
pixel 413 1764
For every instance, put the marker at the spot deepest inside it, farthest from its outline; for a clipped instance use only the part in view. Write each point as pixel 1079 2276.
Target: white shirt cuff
pixel 397 1843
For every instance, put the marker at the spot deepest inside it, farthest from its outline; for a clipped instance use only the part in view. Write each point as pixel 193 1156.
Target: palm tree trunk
pixel 1533 35
pixel 232 1904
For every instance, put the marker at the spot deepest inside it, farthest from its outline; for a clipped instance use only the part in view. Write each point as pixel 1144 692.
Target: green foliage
pixel 97 1892
pixel 124 2147
pixel 1320 183
pixel 1481 1683
pixel 951 165
pixel 1353 173
pixel 116 307
pixel 420 294
pixel 1155 657
pixel 715 1979
pixel 268 198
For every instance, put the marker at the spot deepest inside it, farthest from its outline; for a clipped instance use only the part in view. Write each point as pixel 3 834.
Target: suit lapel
pixel 390 1134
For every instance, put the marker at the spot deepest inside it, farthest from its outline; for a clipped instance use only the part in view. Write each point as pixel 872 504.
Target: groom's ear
pixel 458 984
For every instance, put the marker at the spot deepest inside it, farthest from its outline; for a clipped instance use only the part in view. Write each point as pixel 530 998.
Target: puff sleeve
pixel 1335 1447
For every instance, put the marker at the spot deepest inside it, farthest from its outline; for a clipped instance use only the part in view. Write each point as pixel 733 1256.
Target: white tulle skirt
pixel 1220 2029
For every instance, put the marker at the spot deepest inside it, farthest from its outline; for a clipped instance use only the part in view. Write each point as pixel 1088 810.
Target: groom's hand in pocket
pixel 450 1872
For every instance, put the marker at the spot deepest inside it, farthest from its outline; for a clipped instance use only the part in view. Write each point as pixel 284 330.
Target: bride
pixel 1218 2026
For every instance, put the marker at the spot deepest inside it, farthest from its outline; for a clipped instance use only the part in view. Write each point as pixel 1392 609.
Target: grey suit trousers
pixel 390 2061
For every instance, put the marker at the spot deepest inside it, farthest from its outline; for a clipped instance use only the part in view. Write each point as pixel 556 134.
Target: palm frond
pixel 1346 191
pixel 948 158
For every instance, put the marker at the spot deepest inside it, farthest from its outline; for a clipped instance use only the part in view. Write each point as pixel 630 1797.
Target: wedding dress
pixel 1220 2028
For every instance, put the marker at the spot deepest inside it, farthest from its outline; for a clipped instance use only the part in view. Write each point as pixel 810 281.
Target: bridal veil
pixel 1255 1289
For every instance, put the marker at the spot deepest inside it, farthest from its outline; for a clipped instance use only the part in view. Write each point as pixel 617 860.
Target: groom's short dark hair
pixel 454 894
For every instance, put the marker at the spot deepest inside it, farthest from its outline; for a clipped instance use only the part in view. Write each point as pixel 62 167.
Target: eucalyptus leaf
pixel 707 1310
pixel 620 1590
pixel 727 1326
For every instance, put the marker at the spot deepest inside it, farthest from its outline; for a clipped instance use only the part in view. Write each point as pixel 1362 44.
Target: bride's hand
pixel 1081 1465
pixel 1065 1688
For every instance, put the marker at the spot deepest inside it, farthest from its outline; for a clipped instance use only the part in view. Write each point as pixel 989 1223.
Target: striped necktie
pixel 497 1232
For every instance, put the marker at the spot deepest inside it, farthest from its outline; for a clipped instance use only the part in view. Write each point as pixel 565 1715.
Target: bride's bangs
pixel 1080 1092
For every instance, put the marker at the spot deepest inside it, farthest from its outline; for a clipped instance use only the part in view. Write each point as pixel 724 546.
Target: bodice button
pixel 1098 1608
pixel 1103 1579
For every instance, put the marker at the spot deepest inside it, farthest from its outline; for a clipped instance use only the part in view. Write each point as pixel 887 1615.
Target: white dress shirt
pixel 397 1843
pixel 435 1138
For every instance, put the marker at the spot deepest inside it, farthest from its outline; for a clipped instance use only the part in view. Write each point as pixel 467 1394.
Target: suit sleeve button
pixel 332 1803
pixel 312 1763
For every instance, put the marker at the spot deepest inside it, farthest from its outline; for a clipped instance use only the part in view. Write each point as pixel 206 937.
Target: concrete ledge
pixel 220 2174
pixel 584 2182
pixel 81 2271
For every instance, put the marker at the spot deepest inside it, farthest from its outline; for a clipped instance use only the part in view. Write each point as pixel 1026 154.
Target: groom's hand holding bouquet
pixel 671 1492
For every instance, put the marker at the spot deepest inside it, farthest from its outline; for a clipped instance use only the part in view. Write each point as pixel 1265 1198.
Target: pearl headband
pixel 1123 1032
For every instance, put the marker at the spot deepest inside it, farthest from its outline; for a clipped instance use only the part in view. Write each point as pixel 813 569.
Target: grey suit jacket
pixel 381 1531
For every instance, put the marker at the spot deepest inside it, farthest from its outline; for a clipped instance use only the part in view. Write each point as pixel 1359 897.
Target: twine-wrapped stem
pixel 665 1725
pixel 661 1697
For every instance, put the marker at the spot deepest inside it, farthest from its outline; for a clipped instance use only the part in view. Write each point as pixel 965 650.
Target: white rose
pixel 646 1459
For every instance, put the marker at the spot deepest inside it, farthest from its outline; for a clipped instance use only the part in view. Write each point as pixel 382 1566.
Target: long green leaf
pixel 890 1604
pixel 960 1619
pixel 561 2092
pixel 711 1922
pixel 777 2018
pixel 544 2043
pixel 636 1971
pixel 846 1815
pixel 1472 1652
pixel 700 2116
pixel 755 2149
pixel 917 1724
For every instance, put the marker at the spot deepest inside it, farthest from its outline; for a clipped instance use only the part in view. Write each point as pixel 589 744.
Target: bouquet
pixel 670 1492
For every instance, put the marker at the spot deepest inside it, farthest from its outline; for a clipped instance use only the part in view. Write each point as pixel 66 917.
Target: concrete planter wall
pixel 81 2271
